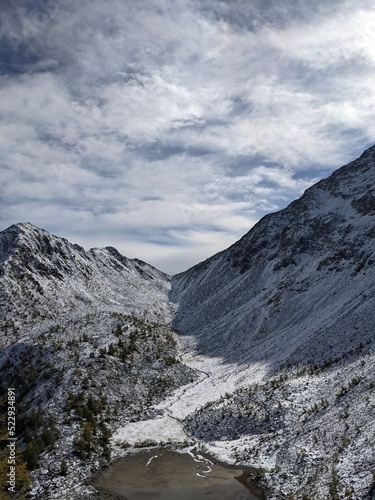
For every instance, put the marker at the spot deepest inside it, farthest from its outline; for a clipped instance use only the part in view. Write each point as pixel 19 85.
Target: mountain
pixel 88 346
pixel 290 309
pixel 298 287
pixel 58 279
pixel 262 355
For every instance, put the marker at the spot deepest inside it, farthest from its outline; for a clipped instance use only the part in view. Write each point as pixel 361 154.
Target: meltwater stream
pixel 161 474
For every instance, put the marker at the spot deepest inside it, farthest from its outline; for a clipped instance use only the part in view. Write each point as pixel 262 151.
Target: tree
pixel 32 456
pixel 333 485
pixel 64 469
pixel 23 478
pixel 83 442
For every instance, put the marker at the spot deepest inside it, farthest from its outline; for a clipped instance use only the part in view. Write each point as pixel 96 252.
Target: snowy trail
pixel 215 378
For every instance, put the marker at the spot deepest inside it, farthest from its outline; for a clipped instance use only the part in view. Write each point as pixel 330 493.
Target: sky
pixel 168 128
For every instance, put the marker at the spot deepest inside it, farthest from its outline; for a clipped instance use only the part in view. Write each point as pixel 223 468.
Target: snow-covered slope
pixel 47 277
pixel 88 346
pixel 299 286
pixel 289 313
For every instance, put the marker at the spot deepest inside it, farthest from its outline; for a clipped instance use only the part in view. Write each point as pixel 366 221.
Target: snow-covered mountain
pixel 298 287
pixel 289 310
pixel 47 276
pixel 88 346
pixel 272 367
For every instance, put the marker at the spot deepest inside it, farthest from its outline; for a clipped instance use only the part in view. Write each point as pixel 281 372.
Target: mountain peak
pixel 24 228
pixel 101 277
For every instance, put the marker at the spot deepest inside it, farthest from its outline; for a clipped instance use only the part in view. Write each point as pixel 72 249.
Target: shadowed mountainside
pixel 298 287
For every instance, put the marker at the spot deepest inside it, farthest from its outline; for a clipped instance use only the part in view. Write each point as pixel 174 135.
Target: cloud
pixel 169 128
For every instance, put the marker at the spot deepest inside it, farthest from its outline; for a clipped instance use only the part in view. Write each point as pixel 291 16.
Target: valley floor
pixel 214 380
pixel 310 431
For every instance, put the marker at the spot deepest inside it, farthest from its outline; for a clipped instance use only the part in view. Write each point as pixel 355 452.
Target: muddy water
pixel 162 474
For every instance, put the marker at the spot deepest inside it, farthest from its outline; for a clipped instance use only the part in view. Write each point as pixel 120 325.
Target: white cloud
pixel 177 124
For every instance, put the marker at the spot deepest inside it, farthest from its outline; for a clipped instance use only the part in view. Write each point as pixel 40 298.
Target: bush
pixel 64 469
pixel 31 455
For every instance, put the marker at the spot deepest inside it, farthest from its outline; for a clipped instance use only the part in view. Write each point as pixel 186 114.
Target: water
pixel 162 474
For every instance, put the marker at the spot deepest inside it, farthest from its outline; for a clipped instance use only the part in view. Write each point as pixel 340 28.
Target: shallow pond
pixel 161 474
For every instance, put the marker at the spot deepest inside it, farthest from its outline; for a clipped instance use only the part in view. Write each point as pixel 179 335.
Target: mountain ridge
pixel 323 237
pixel 42 261
pixel 368 154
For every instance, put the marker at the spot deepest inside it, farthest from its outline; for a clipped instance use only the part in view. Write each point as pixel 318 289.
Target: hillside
pixel 88 346
pixel 298 287
pixel 290 308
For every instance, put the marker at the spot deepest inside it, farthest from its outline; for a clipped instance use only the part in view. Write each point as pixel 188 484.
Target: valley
pixel 261 356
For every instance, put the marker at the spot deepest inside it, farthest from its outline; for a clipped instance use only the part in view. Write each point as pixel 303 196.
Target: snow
pixel 156 430
pixel 217 379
